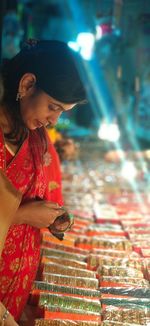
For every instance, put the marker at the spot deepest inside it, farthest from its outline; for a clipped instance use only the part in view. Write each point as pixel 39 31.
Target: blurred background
pixel 113 38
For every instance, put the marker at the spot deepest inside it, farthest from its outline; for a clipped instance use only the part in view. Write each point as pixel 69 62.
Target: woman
pixel 40 83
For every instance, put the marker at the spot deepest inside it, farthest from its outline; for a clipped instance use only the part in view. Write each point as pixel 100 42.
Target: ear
pixel 26 84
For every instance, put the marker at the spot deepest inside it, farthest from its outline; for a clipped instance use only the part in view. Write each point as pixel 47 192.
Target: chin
pixel 31 127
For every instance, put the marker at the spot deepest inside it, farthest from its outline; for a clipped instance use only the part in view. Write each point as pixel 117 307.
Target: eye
pixel 54 108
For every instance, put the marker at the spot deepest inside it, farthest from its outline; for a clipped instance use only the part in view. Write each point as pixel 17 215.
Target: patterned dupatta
pixel 37 175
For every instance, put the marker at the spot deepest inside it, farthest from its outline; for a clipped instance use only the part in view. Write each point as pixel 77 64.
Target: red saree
pixel 35 174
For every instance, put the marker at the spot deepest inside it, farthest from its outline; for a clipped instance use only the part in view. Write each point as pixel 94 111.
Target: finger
pixel 59 212
pixel 52 205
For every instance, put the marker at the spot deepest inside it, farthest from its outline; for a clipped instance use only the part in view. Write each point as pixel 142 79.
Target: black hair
pixel 55 66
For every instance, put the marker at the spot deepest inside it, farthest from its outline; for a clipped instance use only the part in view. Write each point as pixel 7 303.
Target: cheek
pixel 31 109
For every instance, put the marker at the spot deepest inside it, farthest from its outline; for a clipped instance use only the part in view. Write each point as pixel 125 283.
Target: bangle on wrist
pixel 5 315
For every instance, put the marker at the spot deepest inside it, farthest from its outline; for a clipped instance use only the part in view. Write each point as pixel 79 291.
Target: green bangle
pixel 6 314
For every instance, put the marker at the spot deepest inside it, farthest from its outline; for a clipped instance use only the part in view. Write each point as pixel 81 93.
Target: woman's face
pixel 42 110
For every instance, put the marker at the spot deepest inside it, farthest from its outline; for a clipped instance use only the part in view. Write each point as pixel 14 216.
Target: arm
pixel 9 320
pixel 10 200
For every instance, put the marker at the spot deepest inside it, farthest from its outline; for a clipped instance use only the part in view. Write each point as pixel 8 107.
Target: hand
pixel 38 213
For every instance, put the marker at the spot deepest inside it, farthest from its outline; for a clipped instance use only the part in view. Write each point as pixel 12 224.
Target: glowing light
pixel 99 32
pixel 85 39
pixel 86 42
pixel 129 170
pixel 109 132
pixel 83 44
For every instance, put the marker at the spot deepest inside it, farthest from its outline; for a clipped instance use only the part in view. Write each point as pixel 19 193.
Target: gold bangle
pixel 5 315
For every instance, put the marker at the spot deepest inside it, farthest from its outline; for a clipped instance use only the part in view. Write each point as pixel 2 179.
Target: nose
pixel 54 117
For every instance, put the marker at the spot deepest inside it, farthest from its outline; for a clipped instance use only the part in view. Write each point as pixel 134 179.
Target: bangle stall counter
pixel 99 274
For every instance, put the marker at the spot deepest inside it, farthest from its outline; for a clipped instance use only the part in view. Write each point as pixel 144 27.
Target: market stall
pixel 99 274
